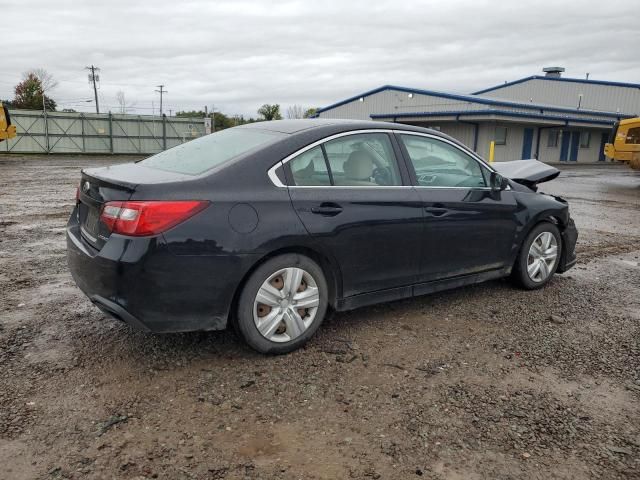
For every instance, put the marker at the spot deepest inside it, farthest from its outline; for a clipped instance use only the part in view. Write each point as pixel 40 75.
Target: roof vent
pixel 553 72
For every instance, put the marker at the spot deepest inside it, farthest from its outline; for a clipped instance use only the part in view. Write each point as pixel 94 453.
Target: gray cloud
pixel 240 54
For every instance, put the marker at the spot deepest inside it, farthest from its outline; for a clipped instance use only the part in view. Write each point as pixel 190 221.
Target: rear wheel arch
pixel 329 269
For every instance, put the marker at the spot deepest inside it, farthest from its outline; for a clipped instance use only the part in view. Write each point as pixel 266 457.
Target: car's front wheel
pixel 538 259
pixel 282 304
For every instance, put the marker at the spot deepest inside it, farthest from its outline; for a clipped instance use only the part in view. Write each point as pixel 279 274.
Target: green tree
pixel 29 93
pixel 310 112
pixel 270 112
pixel 220 120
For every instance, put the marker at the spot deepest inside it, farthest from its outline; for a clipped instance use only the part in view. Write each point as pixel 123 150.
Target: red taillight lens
pixel 78 194
pixel 141 219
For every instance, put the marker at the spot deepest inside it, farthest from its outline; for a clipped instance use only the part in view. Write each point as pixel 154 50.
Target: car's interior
pixel 439 165
pixel 359 164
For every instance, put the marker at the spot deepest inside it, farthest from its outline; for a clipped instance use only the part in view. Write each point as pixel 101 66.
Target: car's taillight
pixel 141 219
pixel 78 194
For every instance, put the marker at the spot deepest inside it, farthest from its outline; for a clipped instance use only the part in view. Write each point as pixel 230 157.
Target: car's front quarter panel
pixel 536 207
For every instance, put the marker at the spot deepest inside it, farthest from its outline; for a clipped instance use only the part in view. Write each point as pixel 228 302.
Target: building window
pixel 501 136
pixel 585 138
pixel 552 139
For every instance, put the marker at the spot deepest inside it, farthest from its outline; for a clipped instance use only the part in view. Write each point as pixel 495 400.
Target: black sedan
pixel 268 226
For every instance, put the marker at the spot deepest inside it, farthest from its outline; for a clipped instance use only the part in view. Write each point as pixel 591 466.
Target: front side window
pixel 198 156
pixel 440 164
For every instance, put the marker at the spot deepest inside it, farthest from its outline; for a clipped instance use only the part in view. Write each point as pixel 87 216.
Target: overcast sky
pixel 237 55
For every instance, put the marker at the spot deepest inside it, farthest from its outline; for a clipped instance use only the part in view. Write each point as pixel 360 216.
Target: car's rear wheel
pixel 282 304
pixel 538 259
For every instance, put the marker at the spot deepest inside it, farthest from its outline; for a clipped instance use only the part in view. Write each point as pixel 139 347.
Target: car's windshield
pixel 205 153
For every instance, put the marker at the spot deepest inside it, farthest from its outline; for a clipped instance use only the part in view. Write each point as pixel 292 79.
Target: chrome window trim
pixel 273 176
pixel 276 181
pixel 272 171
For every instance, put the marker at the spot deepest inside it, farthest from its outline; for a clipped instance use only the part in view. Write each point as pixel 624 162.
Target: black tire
pixel 520 274
pixel 245 324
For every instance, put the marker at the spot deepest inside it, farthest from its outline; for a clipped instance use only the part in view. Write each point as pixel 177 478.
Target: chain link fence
pixel 76 132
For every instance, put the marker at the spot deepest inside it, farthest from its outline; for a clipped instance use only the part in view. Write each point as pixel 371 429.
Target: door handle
pixel 327 209
pixel 437 209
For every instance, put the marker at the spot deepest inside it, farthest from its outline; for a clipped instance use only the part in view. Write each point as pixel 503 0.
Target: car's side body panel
pixel 384 244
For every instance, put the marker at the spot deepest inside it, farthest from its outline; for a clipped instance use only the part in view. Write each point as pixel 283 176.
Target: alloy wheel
pixel 286 304
pixel 542 257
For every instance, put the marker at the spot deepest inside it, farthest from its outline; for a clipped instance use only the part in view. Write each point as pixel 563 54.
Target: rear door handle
pixel 327 209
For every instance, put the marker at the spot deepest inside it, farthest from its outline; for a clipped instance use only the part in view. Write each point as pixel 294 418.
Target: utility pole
pixel 93 78
pixel 161 91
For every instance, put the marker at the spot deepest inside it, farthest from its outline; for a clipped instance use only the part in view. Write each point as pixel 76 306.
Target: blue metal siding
pixel 477 100
pixel 506 113
pixel 564 146
pixel 575 145
pixel 552 79
pixel 603 139
pixel 527 143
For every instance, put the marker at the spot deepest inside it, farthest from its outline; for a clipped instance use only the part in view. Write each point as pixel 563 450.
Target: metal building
pixel 549 117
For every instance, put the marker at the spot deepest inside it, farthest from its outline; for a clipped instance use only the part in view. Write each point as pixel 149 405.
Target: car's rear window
pixel 205 153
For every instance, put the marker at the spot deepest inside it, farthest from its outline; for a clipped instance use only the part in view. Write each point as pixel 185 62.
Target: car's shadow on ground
pixel 151 350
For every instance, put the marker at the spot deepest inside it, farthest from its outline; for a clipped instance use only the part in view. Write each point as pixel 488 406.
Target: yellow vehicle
pixel 624 142
pixel 6 129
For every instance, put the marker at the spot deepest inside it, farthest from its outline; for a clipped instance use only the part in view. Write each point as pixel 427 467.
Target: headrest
pixel 359 166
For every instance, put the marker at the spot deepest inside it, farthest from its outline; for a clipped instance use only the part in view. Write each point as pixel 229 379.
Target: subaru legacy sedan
pixel 268 226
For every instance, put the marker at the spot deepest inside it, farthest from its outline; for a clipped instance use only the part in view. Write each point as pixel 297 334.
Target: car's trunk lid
pixel 93 194
pixel 115 183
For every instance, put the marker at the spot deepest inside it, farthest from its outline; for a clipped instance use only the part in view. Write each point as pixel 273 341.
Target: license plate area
pixel 91 221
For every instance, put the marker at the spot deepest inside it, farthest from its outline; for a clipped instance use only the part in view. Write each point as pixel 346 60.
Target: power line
pixel 93 77
pixel 161 91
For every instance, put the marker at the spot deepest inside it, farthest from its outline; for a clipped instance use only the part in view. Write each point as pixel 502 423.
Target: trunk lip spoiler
pixel 110 181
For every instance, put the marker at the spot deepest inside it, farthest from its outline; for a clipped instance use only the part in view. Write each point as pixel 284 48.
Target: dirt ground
pixel 481 382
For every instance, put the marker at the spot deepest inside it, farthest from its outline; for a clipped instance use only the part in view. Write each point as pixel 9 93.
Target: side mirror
pixel 497 182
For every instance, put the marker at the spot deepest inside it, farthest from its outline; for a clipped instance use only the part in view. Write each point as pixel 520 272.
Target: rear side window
pixel 205 153
pixel 310 169
pixel 359 160
pixel 439 164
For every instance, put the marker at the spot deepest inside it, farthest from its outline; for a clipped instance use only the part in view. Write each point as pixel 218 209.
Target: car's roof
pixel 296 126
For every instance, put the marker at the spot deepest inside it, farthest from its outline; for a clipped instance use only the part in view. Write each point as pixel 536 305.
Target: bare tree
pixel 46 79
pixel 295 111
pixel 122 102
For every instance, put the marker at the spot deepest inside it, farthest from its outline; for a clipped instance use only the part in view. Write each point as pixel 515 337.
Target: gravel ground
pixel 480 382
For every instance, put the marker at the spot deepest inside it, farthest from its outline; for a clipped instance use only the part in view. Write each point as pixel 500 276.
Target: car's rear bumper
pixel 568 257
pixel 139 281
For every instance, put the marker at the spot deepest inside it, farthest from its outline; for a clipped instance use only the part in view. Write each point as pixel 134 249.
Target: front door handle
pixel 437 210
pixel 327 209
